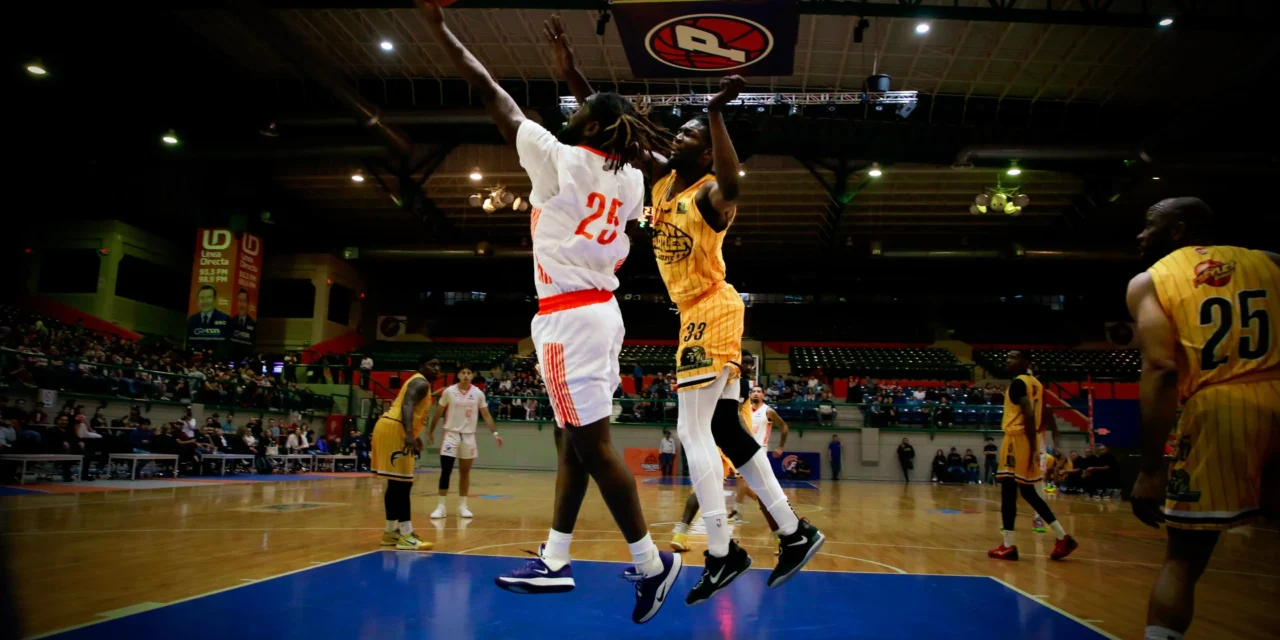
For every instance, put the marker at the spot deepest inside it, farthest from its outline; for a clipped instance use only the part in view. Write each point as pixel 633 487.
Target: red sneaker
pixel 1063 548
pixel 1004 553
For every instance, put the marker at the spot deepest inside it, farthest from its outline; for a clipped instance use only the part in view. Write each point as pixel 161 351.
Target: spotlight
pixel 675 111
pixel 1013 169
pixel 922 28
pixel 488 205
pixel 1021 200
pixel 794 110
pixel 906 109
pixel 517 204
pixel 760 109
pixel 742 172
pixel 1165 22
pixel 475 200
pixel 386 45
pixel 170 138
pixel 506 197
pixel 36 68
pixel 475 175
pixel 357 177
pixel 875 170
pixel 1155 177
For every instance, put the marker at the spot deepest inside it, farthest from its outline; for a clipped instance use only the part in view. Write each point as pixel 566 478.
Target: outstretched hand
pixel 553 30
pixel 730 87
pixel 433 12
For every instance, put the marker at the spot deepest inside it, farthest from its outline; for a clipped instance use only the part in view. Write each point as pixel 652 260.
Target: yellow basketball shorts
pixel 710 337
pixel 392 455
pixel 1018 461
pixel 1228 462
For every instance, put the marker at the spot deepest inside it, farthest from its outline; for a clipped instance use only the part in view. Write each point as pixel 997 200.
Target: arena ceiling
pixel 1120 100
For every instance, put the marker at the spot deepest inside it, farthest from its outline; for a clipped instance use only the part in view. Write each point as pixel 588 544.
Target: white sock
pixel 557 549
pixel 717 533
pixel 406 528
pixel 462 503
pixel 1008 538
pixel 1058 531
pixel 645 556
pixel 1161 633
pixel 680 528
pixel 442 501
pixel 392 525
pixel 760 478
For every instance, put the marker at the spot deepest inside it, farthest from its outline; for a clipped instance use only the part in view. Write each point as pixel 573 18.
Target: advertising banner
pixel 681 39
pixel 642 461
pixel 796 465
pixel 225 279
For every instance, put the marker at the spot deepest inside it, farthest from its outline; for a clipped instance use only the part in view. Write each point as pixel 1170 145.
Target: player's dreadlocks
pixel 630 134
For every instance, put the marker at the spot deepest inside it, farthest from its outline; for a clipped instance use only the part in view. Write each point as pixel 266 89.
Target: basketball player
pixel 1020 458
pixel 1207 324
pixel 461 402
pixel 395 445
pixel 577 177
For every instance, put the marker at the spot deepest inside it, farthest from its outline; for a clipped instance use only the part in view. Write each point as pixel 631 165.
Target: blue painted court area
pixel 684 481
pixel 18 491
pixel 388 596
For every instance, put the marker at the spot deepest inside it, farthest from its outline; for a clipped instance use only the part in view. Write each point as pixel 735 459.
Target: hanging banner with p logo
pixel 224 286
pixel 682 39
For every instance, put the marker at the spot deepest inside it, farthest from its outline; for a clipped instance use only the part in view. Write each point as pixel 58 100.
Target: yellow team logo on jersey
pixel 670 243
pixel 693 357
pixel 1214 273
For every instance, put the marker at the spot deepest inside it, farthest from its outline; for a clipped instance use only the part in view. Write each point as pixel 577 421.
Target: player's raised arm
pixel 723 192
pixel 562 48
pixel 1157 395
pixel 504 111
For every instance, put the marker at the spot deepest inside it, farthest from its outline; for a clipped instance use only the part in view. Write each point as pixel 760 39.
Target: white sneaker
pixel 464 512
pixel 438 513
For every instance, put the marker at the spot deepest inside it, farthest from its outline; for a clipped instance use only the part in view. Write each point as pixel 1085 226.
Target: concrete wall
pixel 287 334
pixel 119 239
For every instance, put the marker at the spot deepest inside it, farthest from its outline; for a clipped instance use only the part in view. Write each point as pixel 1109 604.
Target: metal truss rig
pixel 765 99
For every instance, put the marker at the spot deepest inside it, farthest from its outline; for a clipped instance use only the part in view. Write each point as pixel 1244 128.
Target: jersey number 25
pixel 606 235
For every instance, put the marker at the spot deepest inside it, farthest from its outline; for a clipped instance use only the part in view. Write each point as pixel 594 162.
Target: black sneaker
pixel 718 573
pixel 797 549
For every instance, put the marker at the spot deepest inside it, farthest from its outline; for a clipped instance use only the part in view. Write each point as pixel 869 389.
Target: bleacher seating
pixel 405 355
pixel 654 358
pixel 919 363
pixel 1069 364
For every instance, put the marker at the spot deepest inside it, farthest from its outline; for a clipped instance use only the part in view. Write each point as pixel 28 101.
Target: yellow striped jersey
pixel 688 250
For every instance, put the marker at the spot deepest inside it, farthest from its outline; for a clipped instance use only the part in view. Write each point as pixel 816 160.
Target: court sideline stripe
pixel 201 595
pixel 1080 621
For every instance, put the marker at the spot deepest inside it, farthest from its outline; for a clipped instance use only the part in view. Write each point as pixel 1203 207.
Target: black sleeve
pixel 1017 389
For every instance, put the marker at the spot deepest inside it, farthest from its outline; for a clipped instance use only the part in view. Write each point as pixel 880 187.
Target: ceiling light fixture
pixel 1013 169
pixel 922 28
pixel 170 138
pixel 36 68
pixel 1165 22
pixel 357 176
pixel 386 45
pixel 475 174
pixel 1155 177
pixel 742 172
pixel 875 170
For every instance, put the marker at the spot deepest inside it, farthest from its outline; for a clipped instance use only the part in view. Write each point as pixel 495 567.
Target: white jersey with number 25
pixel 580 212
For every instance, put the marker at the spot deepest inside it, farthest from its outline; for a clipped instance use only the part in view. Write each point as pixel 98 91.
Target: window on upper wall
pixel 286 298
pixel 69 271
pixel 152 283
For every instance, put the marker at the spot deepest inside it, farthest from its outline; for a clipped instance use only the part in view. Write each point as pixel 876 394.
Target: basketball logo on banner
pixel 709 42
pixel 682 39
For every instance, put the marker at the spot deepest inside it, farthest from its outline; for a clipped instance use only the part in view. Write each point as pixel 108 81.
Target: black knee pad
pixel 446 470
pixel 738 445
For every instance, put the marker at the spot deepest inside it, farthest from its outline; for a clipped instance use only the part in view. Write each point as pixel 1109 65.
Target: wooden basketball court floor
pixel 258 556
